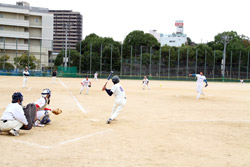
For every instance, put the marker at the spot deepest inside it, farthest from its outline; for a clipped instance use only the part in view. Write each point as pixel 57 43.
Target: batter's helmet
pixel 115 79
pixel 17 96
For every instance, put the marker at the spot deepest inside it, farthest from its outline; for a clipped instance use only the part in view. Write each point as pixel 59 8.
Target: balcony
pixel 12 46
pixel 14 34
pixel 14 22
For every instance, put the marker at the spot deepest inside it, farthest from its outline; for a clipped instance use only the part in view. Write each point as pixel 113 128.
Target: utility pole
pixel 225 39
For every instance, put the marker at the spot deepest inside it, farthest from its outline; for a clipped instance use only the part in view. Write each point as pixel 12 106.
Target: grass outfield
pixel 164 126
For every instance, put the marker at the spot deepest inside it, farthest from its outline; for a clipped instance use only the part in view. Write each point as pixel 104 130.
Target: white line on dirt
pixel 63 142
pixel 84 137
pixel 32 144
pixel 77 102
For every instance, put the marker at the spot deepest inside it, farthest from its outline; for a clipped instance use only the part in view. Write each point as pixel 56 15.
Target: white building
pixel 26 30
pixel 175 39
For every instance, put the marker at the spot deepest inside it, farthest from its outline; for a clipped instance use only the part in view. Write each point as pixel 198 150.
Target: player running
pixel 25 76
pixel 85 83
pixel 200 78
pixel 13 117
pixel 145 82
pixel 120 97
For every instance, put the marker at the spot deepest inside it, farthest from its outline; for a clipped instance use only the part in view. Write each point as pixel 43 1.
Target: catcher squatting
pixel 16 117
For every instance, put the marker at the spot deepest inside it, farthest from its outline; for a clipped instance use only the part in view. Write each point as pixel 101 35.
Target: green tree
pixel 4 64
pixel 74 58
pixel 25 61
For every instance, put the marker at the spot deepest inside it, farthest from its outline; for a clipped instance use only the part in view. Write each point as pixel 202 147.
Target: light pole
pixel 225 39
pixel 66 26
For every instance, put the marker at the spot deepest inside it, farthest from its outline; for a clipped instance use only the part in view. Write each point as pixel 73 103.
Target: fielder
pixel 25 76
pixel 85 83
pixel 13 117
pixel 120 97
pixel 200 78
pixel 145 82
pixel 43 113
pixel 54 73
pixel 95 76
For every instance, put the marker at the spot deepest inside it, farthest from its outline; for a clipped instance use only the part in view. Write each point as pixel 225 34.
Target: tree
pixel 74 58
pixel 4 64
pixel 25 61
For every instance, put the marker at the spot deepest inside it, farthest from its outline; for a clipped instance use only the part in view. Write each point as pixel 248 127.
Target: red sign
pixel 178 24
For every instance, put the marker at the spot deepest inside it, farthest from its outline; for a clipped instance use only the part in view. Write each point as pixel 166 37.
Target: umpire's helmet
pixel 115 79
pixel 17 96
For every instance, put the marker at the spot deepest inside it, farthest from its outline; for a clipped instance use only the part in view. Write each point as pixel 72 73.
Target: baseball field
pixel 165 126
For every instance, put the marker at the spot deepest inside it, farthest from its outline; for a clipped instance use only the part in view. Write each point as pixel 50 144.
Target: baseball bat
pixel 110 75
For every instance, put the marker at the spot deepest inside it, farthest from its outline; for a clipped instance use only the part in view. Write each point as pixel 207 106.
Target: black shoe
pixel 109 121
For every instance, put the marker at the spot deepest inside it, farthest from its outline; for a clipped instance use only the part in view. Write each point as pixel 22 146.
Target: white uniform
pixel 120 100
pixel 200 80
pixel 95 76
pixel 25 78
pixel 85 83
pixel 145 82
pixel 13 118
pixel 41 104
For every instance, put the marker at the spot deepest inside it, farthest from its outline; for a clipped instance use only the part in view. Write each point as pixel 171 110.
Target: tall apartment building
pixel 26 30
pixel 66 21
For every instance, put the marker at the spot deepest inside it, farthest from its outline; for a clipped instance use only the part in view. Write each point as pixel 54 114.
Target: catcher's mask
pixel 46 92
pixel 17 96
pixel 115 79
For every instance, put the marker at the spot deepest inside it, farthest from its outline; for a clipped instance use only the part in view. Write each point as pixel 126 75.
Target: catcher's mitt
pixel 57 111
pixel 206 85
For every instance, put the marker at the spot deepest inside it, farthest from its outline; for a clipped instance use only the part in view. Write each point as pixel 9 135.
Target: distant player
pixel 13 117
pixel 120 97
pixel 200 79
pixel 145 82
pixel 85 83
pixel 54 73
pixel 25 76
pixel 241 81
pixel 95 76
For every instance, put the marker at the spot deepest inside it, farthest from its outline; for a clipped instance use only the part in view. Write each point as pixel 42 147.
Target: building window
pixel 1 28
pixel 36 20
pixel 1 15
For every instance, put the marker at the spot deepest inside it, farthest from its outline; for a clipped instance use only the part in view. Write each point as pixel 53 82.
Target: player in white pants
pixel 145 82
pixel 25 77
pixel 120 98
pixel 13 117
pixel 54 73
pixel 95 76
pixel 200 79
pixel 85 83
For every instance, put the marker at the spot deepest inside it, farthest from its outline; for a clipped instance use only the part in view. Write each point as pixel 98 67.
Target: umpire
pixel 13 117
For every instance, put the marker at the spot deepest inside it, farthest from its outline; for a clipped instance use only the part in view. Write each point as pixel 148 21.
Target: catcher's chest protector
pixel 30 114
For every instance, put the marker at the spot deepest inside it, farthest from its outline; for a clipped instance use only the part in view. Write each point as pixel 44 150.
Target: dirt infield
pixel 165 126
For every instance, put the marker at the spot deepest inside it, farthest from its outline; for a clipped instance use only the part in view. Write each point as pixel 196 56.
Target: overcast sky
pixel 203 19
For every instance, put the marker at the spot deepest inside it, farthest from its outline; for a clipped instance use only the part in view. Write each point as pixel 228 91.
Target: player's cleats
pixel 109 121
pixel 14 132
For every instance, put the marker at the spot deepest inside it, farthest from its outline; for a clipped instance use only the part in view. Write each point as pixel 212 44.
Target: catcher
pixel 43 113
